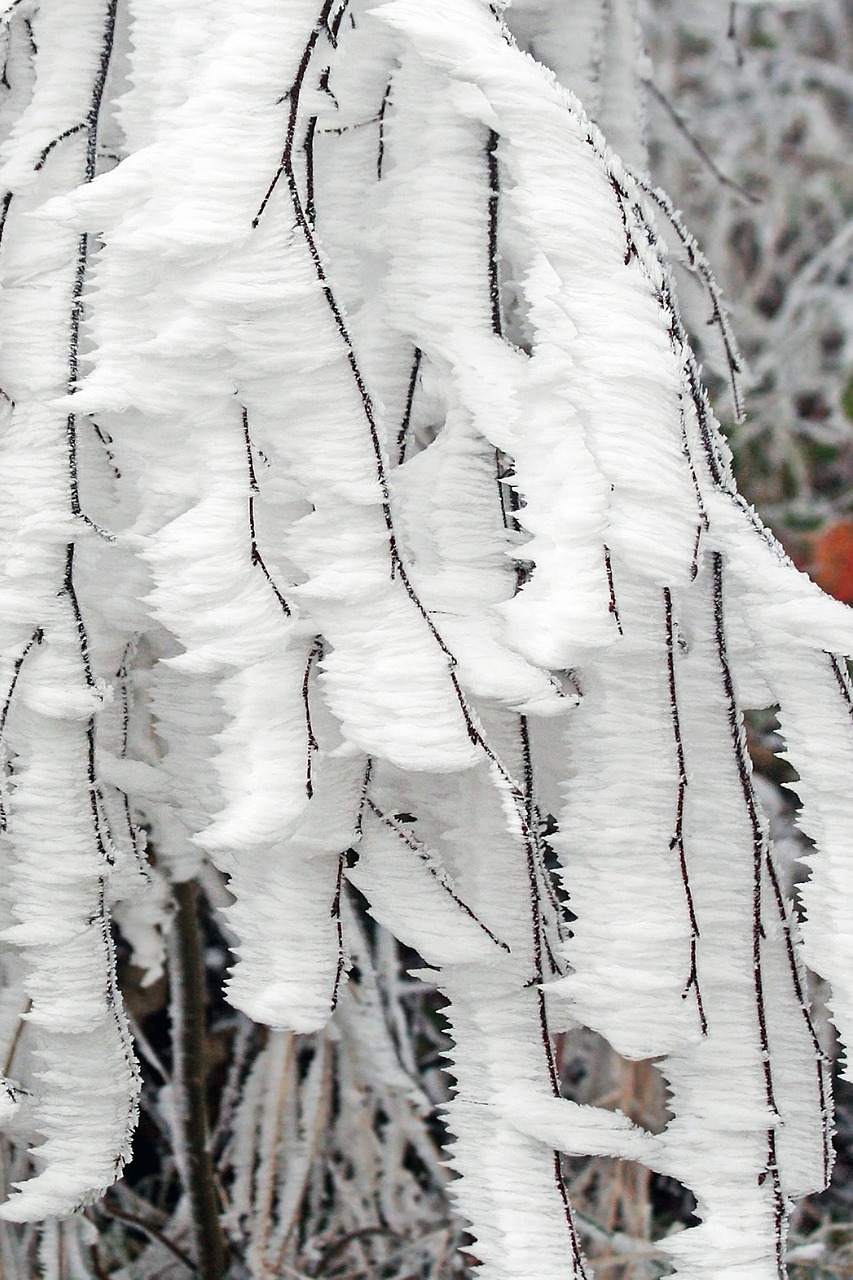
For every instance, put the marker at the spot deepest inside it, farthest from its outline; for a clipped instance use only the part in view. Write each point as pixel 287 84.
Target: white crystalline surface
pixel 356 473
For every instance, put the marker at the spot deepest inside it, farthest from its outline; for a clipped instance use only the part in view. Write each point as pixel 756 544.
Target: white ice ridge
pixel 372 513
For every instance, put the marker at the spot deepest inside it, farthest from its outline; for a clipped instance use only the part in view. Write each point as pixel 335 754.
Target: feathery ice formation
pixel 361 506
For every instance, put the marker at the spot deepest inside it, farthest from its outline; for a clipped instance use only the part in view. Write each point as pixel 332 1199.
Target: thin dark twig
pixel 7 16
pixel 704 522
pixel 339 930
pixel 403 432
pixel 380 149
pixel 677 841
pixel 537 924
pixel 326 88
pixel 398 570
pixel 530 857
pixel 255 553
pixel 359 820
pixel 68 590
pixel 66 133
pixel 701 404
pixel 333 28
pixel 820 1058
pixel 338 131
pixel 316 652
pixel 434 868
pixel 678 337
pixel 308 148
pixel 285 164
pixel 702 410
pixel 699 264
pixel 681 348
pixel 150 1230
pixel 621 200
pixel 530 825
pixel 35 638
pixel 91 126
pixel 502 465
pixel 101 919
pixel 123 679
pixel 759 851
pixel 613 607
pixel 4 211
pixel 694 560
pixel 842 680
pixel 337 1247
pixel 106 441
pixel 681 124
pixel 494 205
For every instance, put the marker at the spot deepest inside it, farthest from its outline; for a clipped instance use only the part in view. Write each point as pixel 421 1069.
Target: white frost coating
pixel 401 449
pixel 287 910
pixel 522 407
pixel 69 37
pixel 567 41
pixel 412 895
pixel 577 1129
pixel 630 953
pixel 615 389
pixel 452 518
pixel 81 1077
pixel 594 49
pixel 755 1027
pixel 781 605
pixel 817 727
pixel 507 1188
pixel 264 752
pixel 87 1081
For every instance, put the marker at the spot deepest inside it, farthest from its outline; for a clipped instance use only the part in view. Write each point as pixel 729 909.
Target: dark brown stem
pixel 187 1008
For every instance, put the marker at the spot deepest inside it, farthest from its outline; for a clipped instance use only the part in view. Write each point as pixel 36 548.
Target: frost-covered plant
pixel 372 560
pixel 750 121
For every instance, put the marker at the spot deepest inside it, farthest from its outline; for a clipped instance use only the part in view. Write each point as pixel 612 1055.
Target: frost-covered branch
pixel 369 542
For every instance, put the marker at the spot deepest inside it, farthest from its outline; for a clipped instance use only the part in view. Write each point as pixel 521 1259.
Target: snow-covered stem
pixel 370 550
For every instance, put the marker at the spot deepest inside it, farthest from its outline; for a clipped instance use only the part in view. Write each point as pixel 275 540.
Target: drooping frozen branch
pixel 421 528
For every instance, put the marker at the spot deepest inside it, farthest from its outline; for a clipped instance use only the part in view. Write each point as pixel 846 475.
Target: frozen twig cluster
pixel 368 537
pixel 772 102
